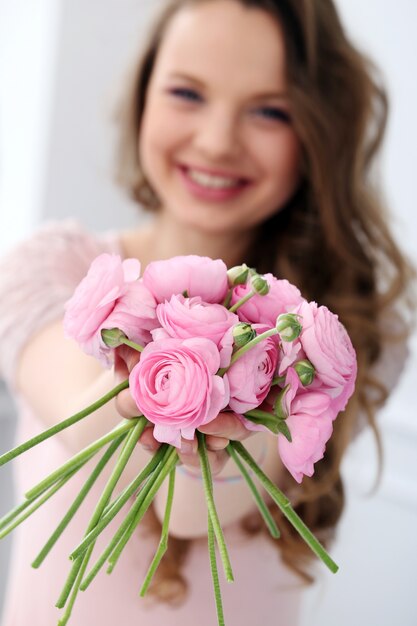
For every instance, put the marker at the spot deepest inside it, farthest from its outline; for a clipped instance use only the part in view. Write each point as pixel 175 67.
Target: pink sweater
pixel 35 281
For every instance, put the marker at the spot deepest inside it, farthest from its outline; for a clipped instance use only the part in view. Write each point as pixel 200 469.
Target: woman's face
pixel 216 141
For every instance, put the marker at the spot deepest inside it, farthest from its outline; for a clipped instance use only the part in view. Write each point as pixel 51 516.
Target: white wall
pixel 60 66
pixel 28 34
pixel 28 60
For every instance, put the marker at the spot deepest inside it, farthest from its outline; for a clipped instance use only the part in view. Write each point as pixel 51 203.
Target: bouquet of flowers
pixel 210 340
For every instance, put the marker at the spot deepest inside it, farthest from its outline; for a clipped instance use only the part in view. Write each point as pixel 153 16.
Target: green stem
pixel 88 452
pixel 11 454
pixel 228 298
pixel 125 526
pixel 163 543
pixel 278 380
pixel 268 333
pixel 36 504
pixel 130 443
pixel 77 502
pixel 214 571
pixel 208 489
pixel 242 301
pixel 263 509
pixel 69 583
pixel 167 466
pixel 117 537
pixel 75 588
pixel 263 417
pixel 284 504
pixel 131 344
pixel 11 515
pixel 111 510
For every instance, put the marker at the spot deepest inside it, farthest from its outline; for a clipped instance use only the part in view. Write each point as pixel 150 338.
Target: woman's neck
pixel 163 238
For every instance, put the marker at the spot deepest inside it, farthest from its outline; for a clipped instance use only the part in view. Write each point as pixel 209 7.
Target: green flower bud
pixel 112 337
pixel 243 333
pixel 288 326
pixel 306 371
pixel 238 275
pixel 259 284
pixel 279 404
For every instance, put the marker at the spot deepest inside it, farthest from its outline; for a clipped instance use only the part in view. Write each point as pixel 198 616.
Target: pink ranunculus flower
pixel 192 317
pixel 109 289
pixel 328 346
pixel 176 387
pixel 196 275
pixel 281 298
pixel 250 376
pixel 134 313
pixel 290 352
pixel 311 424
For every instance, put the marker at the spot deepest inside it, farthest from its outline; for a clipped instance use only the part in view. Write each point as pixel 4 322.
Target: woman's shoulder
pixel 52 261
pixel 38 276
pixel 66 240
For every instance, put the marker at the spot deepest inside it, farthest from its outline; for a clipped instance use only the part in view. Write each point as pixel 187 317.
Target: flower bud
pixel 259 285
pixel 306 371
pixel 288 326
pixel 243 333
pixel 238 275
pixel 112 337
pixel 280 409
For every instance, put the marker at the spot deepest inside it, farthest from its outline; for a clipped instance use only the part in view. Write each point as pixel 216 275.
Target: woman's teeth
pixel 213 182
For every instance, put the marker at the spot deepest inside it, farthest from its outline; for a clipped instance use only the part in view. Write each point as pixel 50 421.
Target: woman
pixel 235 134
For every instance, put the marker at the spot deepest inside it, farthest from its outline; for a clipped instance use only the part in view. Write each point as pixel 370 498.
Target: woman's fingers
pixel 226 426
pixel 216 443
pixel 219 432
pixel 217 461
pixel 125 359
pixel 125 405
pixel 148 441
pixel 188 453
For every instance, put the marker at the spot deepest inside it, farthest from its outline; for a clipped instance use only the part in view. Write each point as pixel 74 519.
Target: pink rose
pixel 191 317
pixel 176 387
pixel 329 348
pixel 198 276
pixel 109 291
pixel 311 425
pixel 251 375
pixel 282 297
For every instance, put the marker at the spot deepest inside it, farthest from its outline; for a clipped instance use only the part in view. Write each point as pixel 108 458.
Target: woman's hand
pixel 218 432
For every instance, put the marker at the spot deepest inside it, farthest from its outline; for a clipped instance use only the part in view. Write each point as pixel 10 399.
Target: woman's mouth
pixel 212 186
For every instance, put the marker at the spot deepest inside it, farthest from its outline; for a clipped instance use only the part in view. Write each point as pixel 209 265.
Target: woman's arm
pixel 57 379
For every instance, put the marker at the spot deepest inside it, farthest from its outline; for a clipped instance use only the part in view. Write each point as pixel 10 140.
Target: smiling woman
pixel 216 138
pixel 234 134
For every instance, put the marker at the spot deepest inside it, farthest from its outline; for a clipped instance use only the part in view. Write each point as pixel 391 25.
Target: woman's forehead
pixel 222 38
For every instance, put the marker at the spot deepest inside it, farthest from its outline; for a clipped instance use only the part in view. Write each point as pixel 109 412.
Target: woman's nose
pixel 217 135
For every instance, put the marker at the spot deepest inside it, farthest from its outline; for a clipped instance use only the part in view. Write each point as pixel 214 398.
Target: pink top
pixel 35 281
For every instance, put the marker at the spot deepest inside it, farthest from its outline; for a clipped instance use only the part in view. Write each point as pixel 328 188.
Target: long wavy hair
pixel 332 239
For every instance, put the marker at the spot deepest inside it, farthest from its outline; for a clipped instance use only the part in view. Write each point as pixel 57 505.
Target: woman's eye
pixel 185 93
pixel 274 114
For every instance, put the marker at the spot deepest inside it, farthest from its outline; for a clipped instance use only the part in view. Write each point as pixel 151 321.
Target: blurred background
pixel 62 65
